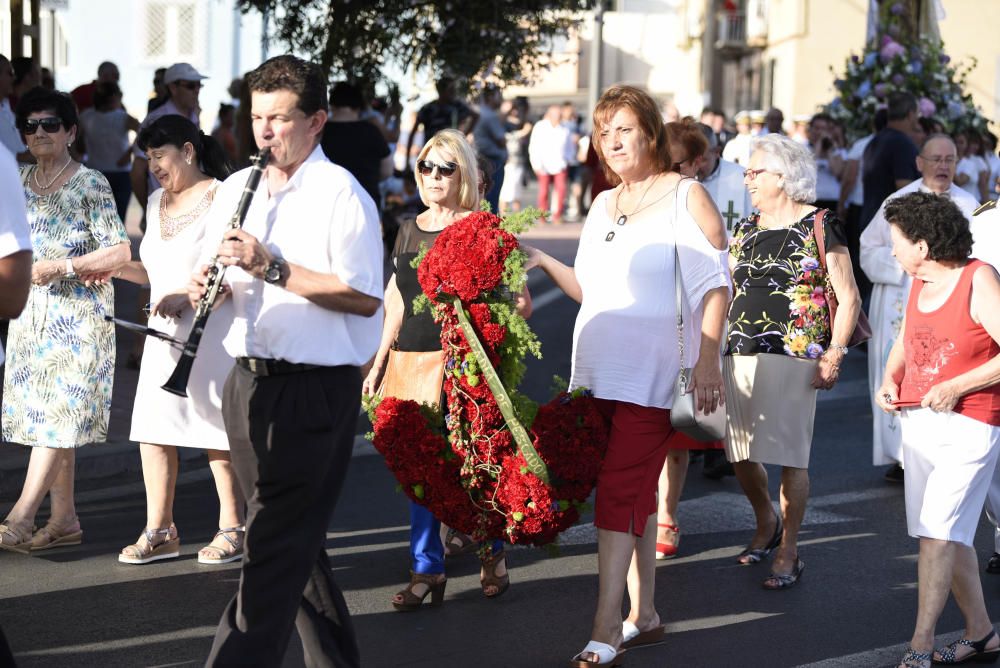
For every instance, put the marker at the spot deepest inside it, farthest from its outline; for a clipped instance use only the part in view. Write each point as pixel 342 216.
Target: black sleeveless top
pixel 418 332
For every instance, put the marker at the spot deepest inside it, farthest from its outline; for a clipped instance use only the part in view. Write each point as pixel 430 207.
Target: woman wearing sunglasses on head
pixel 61 352
pixel 448 179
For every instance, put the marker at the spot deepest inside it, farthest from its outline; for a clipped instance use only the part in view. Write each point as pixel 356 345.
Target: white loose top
pixel 321 219
pixel 547 147
pixel 14 232
pixel 10 136
pixel 985 230
pixel 971 166
pixel 625 340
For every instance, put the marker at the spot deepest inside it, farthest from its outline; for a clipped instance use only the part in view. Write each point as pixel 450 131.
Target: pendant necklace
pixel 54 178
pixel 623 217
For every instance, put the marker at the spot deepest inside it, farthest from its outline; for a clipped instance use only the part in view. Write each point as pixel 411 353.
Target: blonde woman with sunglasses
pixel 448 181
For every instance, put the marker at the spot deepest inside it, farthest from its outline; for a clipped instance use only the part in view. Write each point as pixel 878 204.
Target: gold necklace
pixel 54 178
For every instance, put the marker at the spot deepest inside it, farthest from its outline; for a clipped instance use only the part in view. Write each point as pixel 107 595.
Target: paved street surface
pixel 854 606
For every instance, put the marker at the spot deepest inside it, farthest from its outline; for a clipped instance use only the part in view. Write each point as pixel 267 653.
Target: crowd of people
pixel 783 242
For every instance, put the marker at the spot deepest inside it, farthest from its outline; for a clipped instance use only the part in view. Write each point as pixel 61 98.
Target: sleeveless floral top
pixel 779 305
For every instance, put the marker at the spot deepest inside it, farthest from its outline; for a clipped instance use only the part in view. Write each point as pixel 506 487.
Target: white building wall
pixel 141 35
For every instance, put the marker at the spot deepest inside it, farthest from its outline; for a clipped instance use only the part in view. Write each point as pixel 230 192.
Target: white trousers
pixel 951 461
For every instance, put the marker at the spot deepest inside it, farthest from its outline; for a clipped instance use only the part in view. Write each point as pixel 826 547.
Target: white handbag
pixel 684 417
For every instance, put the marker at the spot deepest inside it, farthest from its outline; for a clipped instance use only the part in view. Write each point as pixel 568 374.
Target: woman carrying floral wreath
pixel 779 337
pixel 625 344
pixel 447 178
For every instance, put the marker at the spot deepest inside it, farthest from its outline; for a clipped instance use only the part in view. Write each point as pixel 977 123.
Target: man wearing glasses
pixel 936 163
pixel 183 84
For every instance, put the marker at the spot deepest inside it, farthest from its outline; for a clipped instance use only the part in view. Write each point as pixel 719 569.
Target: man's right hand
pixel 196 288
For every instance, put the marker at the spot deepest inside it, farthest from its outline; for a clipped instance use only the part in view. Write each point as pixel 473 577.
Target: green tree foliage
pixel 508 40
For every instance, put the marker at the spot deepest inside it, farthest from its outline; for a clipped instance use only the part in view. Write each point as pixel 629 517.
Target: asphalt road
pixel 854 606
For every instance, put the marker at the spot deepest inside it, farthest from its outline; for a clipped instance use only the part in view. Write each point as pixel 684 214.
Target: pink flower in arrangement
pixel 927 107
pixel 818 296
pixel 890 49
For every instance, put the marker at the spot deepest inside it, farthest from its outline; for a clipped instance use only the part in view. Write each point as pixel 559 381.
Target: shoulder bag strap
pixel 831 296
pixel 678 279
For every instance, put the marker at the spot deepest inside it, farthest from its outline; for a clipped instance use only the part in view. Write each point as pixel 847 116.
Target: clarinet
pixel 177 383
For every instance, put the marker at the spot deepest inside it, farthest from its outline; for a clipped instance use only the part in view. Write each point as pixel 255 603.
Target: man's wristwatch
pixel 70 272
pixel 275 271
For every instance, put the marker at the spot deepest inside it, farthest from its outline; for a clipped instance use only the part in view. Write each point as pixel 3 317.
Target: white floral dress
pixel 61 351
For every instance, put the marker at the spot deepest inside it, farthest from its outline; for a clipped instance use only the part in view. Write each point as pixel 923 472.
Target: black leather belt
pixel 266 367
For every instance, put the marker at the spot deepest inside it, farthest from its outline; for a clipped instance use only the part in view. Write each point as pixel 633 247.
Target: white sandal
pixel 607 656
pixel 224 556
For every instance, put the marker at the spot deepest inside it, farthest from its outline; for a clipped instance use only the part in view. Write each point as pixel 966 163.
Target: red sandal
pixel 668 550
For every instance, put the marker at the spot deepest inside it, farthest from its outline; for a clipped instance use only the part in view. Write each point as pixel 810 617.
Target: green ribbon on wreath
pixel 517 430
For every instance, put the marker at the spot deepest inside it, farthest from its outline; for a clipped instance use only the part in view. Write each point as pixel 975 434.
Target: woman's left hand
pixel 942 397
pixel 44 272
pixel 706 383
pixel 827 373
pixel 171 306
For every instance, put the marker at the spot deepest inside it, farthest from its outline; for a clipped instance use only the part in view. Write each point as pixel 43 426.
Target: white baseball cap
pixel 182 72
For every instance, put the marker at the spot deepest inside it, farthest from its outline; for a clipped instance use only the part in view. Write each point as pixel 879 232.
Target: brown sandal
pixel 55 534
pixel 13 539
pixel 408 601
pixel 494 585
pixel 457 543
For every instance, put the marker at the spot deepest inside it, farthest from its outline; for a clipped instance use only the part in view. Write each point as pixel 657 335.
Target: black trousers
pixel 290 440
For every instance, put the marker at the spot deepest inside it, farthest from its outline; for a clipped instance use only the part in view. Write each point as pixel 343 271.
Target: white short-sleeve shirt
pixel 15 235
pixel 323 220
pixel 625 340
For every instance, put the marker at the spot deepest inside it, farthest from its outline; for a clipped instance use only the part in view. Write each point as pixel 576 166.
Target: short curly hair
pixel 42 99
pixel 934 219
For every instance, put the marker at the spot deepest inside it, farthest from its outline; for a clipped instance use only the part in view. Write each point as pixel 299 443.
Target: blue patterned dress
pixel 61 352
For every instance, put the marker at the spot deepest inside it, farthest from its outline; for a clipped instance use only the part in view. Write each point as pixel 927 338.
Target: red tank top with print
pixel 946 343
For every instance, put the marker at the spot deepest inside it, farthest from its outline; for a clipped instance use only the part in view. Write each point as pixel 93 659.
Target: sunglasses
pixel 190 85
pixel 51 125
pixel 426 168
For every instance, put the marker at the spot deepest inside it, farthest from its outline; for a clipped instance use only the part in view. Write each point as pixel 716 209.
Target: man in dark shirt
pixel 890 159
pixel 445 112
pixel 356 145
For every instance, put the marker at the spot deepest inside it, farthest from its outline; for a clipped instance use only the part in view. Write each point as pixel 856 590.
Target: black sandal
pixel 755 555
pixel 979 653
pixel 776 581
pixel 993 565
pixel 915 659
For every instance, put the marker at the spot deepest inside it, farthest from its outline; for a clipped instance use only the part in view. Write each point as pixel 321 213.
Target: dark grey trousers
pixel 290 439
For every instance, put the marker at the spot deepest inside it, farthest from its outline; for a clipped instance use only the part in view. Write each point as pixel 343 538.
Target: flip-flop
pixel 632 637
pixel 776 581
pixel 607 656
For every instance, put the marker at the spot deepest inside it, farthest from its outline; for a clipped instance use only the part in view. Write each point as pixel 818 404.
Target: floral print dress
pixel 61 351
pixel 780 303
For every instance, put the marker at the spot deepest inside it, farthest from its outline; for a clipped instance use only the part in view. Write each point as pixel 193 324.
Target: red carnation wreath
pixel 494 465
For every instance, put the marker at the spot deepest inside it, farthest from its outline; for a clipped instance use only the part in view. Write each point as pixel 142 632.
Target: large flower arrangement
pixel 893 62
pixel 494 465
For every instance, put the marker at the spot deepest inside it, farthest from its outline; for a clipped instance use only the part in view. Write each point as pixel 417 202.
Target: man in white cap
pixel 737 149
pixel 183 84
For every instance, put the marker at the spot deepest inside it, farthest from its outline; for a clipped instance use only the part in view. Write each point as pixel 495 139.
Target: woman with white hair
pixel 780 337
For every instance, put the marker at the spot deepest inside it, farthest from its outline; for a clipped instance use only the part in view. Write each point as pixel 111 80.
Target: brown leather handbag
pixel 417 376
pixel 862 330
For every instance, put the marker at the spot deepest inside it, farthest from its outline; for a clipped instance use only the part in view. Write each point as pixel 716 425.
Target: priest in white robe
pixel 936 162
pixel 724 182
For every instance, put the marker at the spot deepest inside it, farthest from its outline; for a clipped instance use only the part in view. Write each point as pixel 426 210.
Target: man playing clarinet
pixel 305 277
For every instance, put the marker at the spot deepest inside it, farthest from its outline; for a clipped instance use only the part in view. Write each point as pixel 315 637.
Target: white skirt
pixel 950 461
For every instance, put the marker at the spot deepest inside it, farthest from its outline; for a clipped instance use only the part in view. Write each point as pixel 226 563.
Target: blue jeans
pixel 426 548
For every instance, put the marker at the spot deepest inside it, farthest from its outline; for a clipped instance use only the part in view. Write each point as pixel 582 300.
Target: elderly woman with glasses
pixel 780 336
pixel 448 180
pixel 61 351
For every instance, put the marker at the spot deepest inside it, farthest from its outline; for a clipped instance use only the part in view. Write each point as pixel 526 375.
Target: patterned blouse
pixel 780 288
